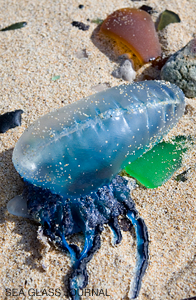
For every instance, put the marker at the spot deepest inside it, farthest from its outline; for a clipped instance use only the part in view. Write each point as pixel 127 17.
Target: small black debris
pixel 147 8
pixel 10 120
pixel 182 176
pixel 15 26
pixel 80 25
pixel 81 6
pixel 189 110
pixel 125 224
pixel 192 298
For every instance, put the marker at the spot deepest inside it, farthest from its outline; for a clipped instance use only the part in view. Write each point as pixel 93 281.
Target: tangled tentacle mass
pixel 61 217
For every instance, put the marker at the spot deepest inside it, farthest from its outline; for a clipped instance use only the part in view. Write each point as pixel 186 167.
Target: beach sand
pixel 29 57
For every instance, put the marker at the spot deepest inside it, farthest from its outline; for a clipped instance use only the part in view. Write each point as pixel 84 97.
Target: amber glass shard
pixel 134 28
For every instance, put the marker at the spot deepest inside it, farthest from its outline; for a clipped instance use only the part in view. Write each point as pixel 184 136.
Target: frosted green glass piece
pixel 167 17
pixel 156 166
pixel 55 77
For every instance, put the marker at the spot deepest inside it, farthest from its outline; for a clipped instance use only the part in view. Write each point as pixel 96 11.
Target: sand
pixel 48 46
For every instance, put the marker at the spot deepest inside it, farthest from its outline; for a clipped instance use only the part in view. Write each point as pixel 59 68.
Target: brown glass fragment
pixel 135 29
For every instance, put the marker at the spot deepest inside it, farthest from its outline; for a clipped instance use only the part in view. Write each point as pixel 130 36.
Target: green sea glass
pixel 166 18
pixel 15 26
pixel 54 78
pixel 156 166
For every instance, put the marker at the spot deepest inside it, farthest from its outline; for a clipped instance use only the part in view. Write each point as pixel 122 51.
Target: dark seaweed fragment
pixel 160 62
pixel 192 298
pixel 189 109
pixel 15 26
pixel 80 25
pixel 10 120
pixel 182 176
pixel 147 8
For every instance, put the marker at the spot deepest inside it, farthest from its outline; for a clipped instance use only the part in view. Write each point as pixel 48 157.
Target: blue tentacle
pixel 122 193
pixel 142 251
pixel 72 252
pixel 89 238
pixel 79 277
pixel 117 235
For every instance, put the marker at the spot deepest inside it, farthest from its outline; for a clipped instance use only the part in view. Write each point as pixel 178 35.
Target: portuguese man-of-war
pixel 69 160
